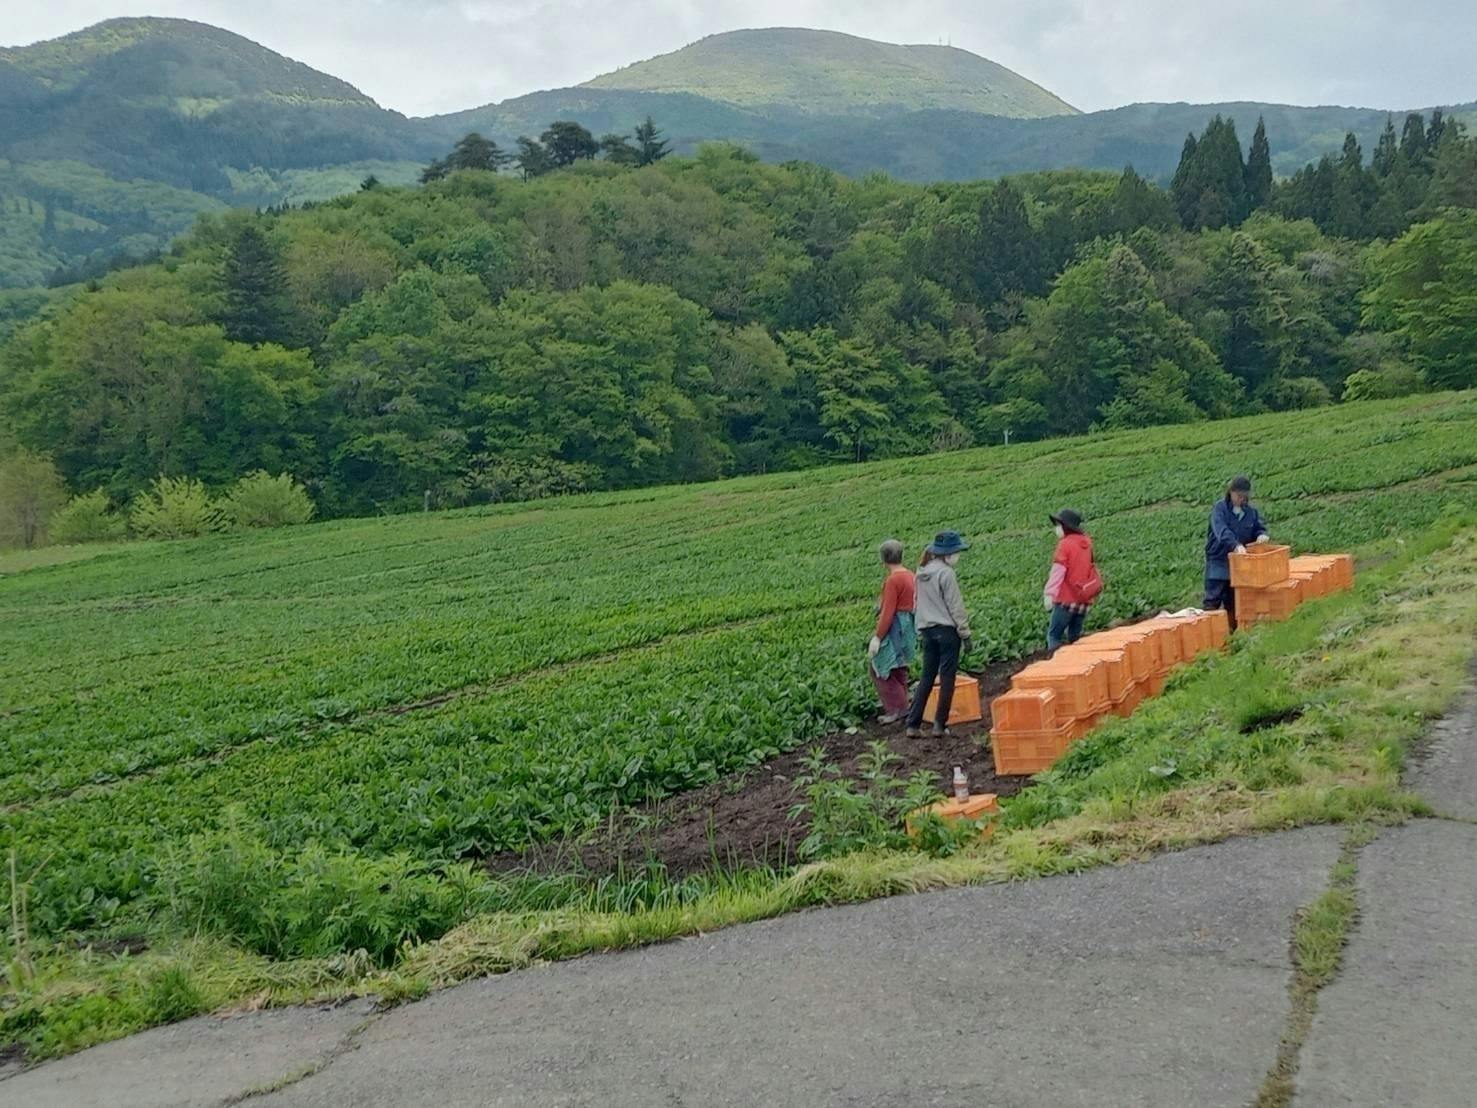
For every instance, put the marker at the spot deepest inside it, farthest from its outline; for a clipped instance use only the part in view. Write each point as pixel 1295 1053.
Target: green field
pixel 562 660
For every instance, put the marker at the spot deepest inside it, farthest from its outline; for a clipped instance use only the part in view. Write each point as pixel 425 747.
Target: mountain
pixel 828 73
pixel 115 139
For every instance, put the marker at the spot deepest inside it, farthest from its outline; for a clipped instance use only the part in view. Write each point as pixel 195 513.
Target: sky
pixel 423 57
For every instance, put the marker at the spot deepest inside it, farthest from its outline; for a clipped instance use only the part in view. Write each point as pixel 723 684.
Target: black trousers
pixel 941 662
pixel 1220 594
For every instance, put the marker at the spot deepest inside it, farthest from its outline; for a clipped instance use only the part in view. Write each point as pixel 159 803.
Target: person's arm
pixel 954 600
pixel 1054 581
pixel 1221 531
pixel 890 589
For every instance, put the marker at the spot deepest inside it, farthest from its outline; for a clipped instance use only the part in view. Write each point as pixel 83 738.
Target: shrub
pixel 30 492
pixel 847 816
pixel 175 508
pixel 170 995
pixel 313 904
pixel 1389 380
pixel 88 518
pixel 261 500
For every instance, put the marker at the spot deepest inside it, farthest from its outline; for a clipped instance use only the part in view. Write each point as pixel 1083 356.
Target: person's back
pixel 937 601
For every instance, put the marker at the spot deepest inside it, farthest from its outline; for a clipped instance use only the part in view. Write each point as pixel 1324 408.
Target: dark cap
pixel 1068 519
pixel 1239 483
pixel 946 543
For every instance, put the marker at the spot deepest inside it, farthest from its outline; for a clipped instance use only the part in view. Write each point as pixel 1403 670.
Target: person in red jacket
pixel 1074 582
pixel 893 640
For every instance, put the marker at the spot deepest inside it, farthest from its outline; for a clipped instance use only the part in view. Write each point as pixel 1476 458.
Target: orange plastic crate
pixel 1113 657
pixel 964 708
pixel 979 804
pixel 1080 683
pixel 1167 643
pixel 1154 684
pixel 1194 637
pixel 1268 605
pixel 1315 582
pixel 1132 697
pixel 1262 565
pixel 1137 644
pixel 1343 566
pixel 1024 710
pixel 1219 623
pixel 1026 752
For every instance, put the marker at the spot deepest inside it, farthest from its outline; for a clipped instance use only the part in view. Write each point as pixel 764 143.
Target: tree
pixel 618 149
pixel 1008 256
pixel 434 172
pixel 853 387
pixel 1387 151
pixel 567 142
pixel 1425 291
pixel 1210 184
pixel 650 146
pixel 1354 193
pixel 533 159
pixel 369 184
pixel 256 305
pixel 175 508
pixel 474 152
pixel 1259 168
pixel 31 491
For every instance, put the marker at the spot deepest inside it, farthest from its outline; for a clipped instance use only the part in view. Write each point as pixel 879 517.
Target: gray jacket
pixel 939 602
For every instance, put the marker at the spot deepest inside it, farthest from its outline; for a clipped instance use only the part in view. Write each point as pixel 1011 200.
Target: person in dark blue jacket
pixel 1234 524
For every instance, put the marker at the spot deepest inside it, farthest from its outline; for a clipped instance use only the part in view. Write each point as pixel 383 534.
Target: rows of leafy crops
pixel 448 685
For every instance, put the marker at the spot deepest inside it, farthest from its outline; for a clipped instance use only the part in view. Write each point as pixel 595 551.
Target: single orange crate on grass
pixel 951 810
pixel 1263 564
pixel 1080 684
pixel 1137 644
pixel 1024 710
pixel 1025 752
pixel 964 708
pixel 1114 659
pixel 1154 685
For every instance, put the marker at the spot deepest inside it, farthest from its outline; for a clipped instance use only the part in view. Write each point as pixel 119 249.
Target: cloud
pixel 424 56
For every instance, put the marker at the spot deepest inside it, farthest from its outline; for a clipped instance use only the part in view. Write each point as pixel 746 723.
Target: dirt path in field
pixel 744 819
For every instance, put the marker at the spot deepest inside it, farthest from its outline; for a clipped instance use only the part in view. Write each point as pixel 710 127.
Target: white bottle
pixel 961 785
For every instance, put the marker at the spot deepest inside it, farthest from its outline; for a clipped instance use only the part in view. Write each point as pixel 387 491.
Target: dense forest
pixel 601 315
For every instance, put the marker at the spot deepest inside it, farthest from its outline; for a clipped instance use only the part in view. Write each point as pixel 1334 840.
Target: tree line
pixel 613 323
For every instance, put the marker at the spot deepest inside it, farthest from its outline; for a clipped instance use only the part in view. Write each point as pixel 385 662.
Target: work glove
pixel 966 644
pixel 1046 602
pixel 1264 537
pixel 874 646
pixel 1240 549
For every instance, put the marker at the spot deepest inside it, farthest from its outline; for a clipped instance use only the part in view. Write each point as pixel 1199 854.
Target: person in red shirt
pixel 1074 582
pixel 893 641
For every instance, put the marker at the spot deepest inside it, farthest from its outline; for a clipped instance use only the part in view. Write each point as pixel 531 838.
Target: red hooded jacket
pixel 1071 570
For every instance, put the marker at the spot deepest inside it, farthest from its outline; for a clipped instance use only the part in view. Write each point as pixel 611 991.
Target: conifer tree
pixel 255 288
pixel 1259 168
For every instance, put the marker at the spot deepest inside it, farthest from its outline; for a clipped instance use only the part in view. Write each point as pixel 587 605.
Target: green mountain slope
pixel 126 130
pixel 193 65
pixel 824 72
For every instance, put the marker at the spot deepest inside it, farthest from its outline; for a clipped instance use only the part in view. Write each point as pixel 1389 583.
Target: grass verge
pixel 1300 723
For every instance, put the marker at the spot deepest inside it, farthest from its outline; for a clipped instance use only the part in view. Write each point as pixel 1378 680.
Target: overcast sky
pixel 426 56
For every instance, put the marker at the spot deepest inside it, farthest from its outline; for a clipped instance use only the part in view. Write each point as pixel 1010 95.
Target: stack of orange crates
pixel 1270 585
pixel 1054 702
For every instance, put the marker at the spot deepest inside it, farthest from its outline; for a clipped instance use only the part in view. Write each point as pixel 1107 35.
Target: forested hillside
pixel 605 326
pixel 113 139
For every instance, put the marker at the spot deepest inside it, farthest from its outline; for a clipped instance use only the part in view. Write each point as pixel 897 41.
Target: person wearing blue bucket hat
pixel 943 625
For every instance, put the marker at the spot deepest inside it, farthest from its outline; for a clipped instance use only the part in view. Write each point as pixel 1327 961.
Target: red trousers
pixel 892 690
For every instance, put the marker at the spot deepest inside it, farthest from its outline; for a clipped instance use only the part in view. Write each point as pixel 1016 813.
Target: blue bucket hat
pixel 946 543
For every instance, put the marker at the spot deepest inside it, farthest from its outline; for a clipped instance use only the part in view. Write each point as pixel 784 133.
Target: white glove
pixel 1240 549
pixel 874 646
pixel 1046 602
pixel 1264 537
